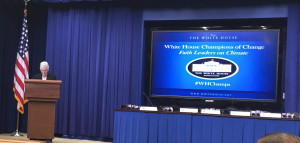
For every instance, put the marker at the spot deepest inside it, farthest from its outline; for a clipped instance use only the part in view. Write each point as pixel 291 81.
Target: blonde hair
pixel 279 137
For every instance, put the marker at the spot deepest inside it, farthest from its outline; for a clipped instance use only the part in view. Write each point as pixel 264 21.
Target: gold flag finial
pixel 25 10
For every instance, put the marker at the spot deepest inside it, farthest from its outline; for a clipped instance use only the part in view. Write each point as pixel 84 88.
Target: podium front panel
pixel 42 96
pixel 41 120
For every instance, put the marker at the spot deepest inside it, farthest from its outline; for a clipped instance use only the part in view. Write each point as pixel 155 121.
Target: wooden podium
pixel 42 96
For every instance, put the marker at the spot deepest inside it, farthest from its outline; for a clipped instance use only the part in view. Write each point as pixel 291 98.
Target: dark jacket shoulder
pixel 49 76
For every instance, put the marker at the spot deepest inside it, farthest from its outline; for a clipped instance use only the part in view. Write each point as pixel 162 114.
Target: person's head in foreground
pixel 279 138
pixel 44 67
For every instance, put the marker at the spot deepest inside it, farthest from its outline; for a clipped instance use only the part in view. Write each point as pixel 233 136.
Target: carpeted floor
pixel 55 140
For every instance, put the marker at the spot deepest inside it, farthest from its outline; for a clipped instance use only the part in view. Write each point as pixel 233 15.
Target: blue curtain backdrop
pixel 10 32
pixel 292 69
pixel 96 52
pixel 11 15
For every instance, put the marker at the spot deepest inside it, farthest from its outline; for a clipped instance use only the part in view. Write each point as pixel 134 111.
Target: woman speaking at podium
pixel 44 75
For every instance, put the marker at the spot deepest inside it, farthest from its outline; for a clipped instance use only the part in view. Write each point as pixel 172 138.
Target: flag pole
pixel 16 133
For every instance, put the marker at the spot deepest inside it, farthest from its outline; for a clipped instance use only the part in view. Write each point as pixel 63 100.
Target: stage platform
pixel 6 138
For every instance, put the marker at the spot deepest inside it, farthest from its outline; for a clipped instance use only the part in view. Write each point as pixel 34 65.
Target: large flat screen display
pixel 215 64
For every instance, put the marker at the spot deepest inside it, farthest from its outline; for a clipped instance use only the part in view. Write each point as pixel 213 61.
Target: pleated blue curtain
pixel 10 32
pixel 292 68
pixel 96 52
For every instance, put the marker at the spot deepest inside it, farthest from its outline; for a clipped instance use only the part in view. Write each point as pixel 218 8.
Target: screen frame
pixel 213 98
pixel 213 24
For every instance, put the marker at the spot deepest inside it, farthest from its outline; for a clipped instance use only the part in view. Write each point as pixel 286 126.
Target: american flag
pixel 21 68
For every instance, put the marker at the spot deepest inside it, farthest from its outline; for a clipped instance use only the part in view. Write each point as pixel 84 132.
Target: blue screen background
pixel 257 71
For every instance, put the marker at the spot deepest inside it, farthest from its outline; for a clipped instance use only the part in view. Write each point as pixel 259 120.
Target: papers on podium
pixel 211 111
pixel 148 108
pixel 189 110
pixel 270 115
pixel 240 113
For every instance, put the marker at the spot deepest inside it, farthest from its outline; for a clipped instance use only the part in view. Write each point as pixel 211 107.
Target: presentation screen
pixel 215 64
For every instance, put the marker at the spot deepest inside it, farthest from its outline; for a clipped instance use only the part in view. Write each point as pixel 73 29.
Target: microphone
pixel 148 99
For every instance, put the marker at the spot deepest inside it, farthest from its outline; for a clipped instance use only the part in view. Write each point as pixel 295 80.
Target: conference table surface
pixel 134 126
